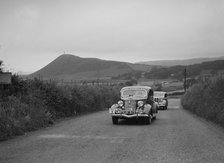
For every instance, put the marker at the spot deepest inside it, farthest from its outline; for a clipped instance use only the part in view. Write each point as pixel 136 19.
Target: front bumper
pixel 130 116
pixel 161 105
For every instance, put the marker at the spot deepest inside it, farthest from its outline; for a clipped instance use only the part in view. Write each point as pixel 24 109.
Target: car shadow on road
pixel 132 122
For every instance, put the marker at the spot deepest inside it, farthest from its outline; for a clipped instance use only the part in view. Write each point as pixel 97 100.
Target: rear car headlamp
pixel 164 102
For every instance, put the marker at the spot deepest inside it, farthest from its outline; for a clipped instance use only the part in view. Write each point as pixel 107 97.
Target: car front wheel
pixel 154 117
pixel 149 120
pixel 115 120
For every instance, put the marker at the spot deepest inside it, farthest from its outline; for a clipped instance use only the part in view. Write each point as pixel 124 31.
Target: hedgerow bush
pixel 206 99
pixel 17 117
pixel 32 104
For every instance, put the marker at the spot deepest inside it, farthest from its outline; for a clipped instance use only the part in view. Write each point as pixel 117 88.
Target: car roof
pixel 146 88
pixel 160 92
pixel 137 87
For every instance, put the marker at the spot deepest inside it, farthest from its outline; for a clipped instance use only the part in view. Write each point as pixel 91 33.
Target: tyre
pixel 149 120
pixel 115 120
pixel 154 117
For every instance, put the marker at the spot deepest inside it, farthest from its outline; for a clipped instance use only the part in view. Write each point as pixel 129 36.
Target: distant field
pixel 146 83
pixel 168 85
pixel 173 86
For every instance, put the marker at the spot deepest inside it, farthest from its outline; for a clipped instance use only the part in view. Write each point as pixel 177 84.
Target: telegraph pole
pixel 185 79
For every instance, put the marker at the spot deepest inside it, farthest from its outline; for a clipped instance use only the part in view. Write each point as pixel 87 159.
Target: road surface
pixel 175 136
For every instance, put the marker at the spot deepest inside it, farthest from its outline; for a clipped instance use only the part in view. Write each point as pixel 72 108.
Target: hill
pixel 184 62
pixel 177 72
pixel 211 67
pixel 69 67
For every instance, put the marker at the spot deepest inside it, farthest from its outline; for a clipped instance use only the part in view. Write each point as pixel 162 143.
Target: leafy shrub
pixel 32 104
pixel 131 82
pixel 17 117
pixel 92 98
pixel 206 99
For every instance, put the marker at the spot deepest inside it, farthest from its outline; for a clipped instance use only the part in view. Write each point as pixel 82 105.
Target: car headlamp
pixel 120 103
pixel 140 103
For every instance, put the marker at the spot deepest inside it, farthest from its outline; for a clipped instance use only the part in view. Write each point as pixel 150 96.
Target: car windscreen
pixel 134 93
pixel 159 94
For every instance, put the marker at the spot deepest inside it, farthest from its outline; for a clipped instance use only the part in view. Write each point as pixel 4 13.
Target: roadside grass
pixel 206 99
pixel 33 104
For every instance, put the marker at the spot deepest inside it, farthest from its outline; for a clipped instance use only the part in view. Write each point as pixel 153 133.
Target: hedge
pixel 206 99
pixel 31 104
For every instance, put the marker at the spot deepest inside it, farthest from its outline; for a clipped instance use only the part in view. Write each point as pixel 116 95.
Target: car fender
pixel 147 108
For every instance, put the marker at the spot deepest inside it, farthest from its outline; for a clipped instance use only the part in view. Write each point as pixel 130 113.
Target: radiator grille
pixel 130 105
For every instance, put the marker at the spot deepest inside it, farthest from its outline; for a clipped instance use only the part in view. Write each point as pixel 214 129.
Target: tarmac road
pixel 175 136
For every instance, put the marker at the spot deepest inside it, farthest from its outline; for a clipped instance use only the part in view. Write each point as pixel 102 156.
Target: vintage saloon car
pixel 136 102
pixel 161 99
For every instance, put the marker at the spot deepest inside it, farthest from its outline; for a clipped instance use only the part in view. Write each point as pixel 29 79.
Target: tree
pixel 158 87
pixel 131 82
pixel 1 64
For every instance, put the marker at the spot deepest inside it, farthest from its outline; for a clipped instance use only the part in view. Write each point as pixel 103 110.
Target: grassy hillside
pixel 67 65
pixel 177 72
pixel 140 67
pixel 184 62
pixel 70 67
pixel 192 70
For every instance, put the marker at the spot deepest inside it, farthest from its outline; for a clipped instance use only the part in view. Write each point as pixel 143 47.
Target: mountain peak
pixel 68 56
pixel 71 67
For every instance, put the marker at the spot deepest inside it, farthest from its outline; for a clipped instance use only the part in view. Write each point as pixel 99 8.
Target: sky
pixel 35 32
